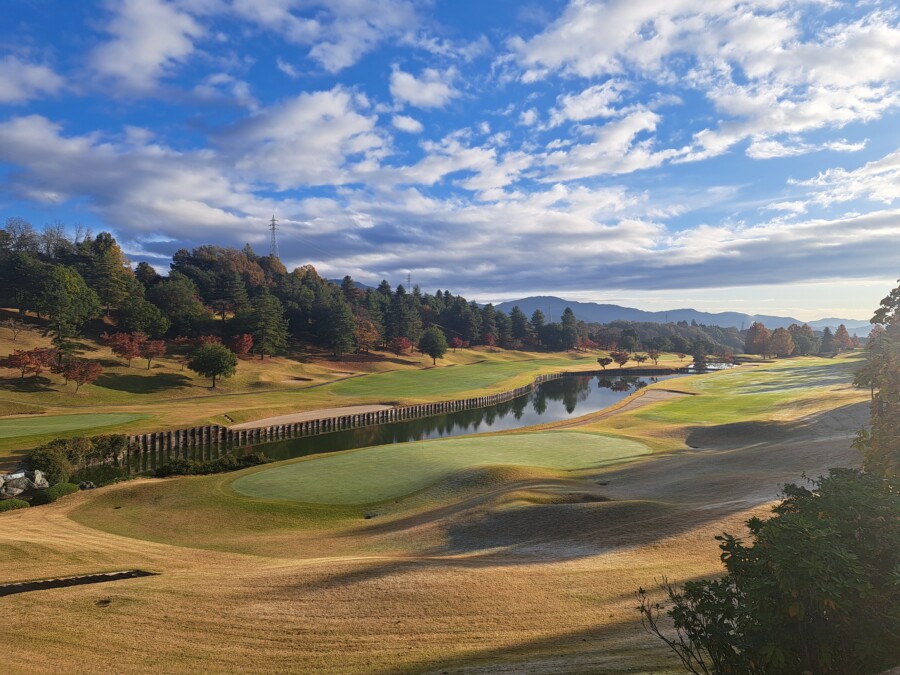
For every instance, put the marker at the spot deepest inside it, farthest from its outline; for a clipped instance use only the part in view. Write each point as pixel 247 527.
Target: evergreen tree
pixel 489 324
pixel 139 315
pixel 267 325
pixel 110 271
pixel 537 324
pixel 569 329
pixel 827 346
pixel 341 330
pixel 519 327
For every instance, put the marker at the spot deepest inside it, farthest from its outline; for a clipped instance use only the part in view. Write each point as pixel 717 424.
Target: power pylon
pixel 273 225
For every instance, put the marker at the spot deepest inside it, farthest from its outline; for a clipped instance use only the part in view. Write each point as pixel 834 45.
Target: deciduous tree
pixel 757 340
pixel 151 349
pixel 434 343
pixel 604 361
pixel 842 339
pixel 781 344
pixel 215 361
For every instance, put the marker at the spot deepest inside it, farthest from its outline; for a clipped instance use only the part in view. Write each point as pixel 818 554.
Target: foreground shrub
pixel 62 457
pixel 52 460
pixel 13 504
pixel 223 464
pixel 53 493
pixel 817 591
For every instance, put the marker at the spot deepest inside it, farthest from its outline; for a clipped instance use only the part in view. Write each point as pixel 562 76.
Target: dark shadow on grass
pixel 30 384
pixel 143 384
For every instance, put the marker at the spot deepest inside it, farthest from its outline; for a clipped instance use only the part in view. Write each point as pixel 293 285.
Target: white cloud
pixel 316 138
pixel 149 38
pixel 614 148
pixel 768 148
pixel 528 117
pixel 408 124
pixel 287 68
pixel 432 90
pixel 595 101
pixel 340 32
pixel 21 81
pixel 756 63
pixel 877 181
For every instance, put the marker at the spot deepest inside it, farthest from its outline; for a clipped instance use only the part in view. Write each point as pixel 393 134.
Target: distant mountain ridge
pixel 593 312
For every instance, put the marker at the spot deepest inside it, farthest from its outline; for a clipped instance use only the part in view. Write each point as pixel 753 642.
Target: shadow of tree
pixel 143 384
pixel 28 385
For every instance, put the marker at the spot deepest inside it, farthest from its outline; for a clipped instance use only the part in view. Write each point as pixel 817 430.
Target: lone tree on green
pixel 433 343
pixel 213 360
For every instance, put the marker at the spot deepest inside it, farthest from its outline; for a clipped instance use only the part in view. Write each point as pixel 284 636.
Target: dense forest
pixel 254 304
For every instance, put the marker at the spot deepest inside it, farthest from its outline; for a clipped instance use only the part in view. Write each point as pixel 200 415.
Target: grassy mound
pixel 375 474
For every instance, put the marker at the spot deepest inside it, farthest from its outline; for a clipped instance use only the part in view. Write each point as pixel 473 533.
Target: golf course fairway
pixel 375 474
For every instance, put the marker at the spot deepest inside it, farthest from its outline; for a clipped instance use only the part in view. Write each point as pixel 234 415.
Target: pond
pixel 553 401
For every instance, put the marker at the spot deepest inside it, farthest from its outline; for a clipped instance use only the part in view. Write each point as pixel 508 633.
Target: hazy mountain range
pixel 593 312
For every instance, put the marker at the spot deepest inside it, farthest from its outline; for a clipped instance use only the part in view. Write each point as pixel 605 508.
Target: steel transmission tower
pixel 273 225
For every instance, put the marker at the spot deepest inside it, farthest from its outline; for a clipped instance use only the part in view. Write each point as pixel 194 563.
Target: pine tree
pixel 569 329
pixel 267 325
pixel 341 330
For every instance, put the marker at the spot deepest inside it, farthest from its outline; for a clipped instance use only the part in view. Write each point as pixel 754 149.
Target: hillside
pixel 593 312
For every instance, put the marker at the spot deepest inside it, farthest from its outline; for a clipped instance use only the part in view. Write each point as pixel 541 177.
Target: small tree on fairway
pixel 640 358
pixel 604 361
pixel 399 344
pixel 433 343
pixel 620 358
pixel 151 349
pixel 83 372
pixel 654 356
pixel 213 360
pixel 456 343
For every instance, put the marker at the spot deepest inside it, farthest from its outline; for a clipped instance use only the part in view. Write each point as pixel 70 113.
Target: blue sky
pixel 661 154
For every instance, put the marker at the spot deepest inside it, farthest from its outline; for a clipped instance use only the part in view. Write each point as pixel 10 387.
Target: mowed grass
pixel 489 375
pixel 375 474
pixel 777 391
pixel 61 424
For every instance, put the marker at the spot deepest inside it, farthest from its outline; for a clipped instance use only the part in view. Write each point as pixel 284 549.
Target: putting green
pixel 374 474
pixel 50 424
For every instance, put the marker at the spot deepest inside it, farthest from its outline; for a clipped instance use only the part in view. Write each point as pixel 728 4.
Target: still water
pixel 552 401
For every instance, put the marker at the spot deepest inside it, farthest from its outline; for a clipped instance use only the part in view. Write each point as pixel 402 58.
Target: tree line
pixel 797 340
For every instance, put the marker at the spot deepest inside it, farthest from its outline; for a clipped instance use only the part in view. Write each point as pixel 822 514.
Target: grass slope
pixel 60 425
pixel 375 474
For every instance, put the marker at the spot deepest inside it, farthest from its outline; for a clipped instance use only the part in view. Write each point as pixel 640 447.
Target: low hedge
pixel 51 494
pixel 13 504
pixel 225 463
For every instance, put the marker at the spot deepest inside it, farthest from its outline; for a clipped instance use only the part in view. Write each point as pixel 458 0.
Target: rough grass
pixel 375 474
pixel 512 569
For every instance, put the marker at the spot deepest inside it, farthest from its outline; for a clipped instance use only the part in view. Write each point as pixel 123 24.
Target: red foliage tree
pixel 604 361
pixel 842 339
pixel 82 371
pixel 20 360
pixel 490 340
pixel 456 343
pixel 654 355
pixel 399 345
pixel 126 345
pixel 208 340
pixel 151 349
pixel 241 345
pixel 620 357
